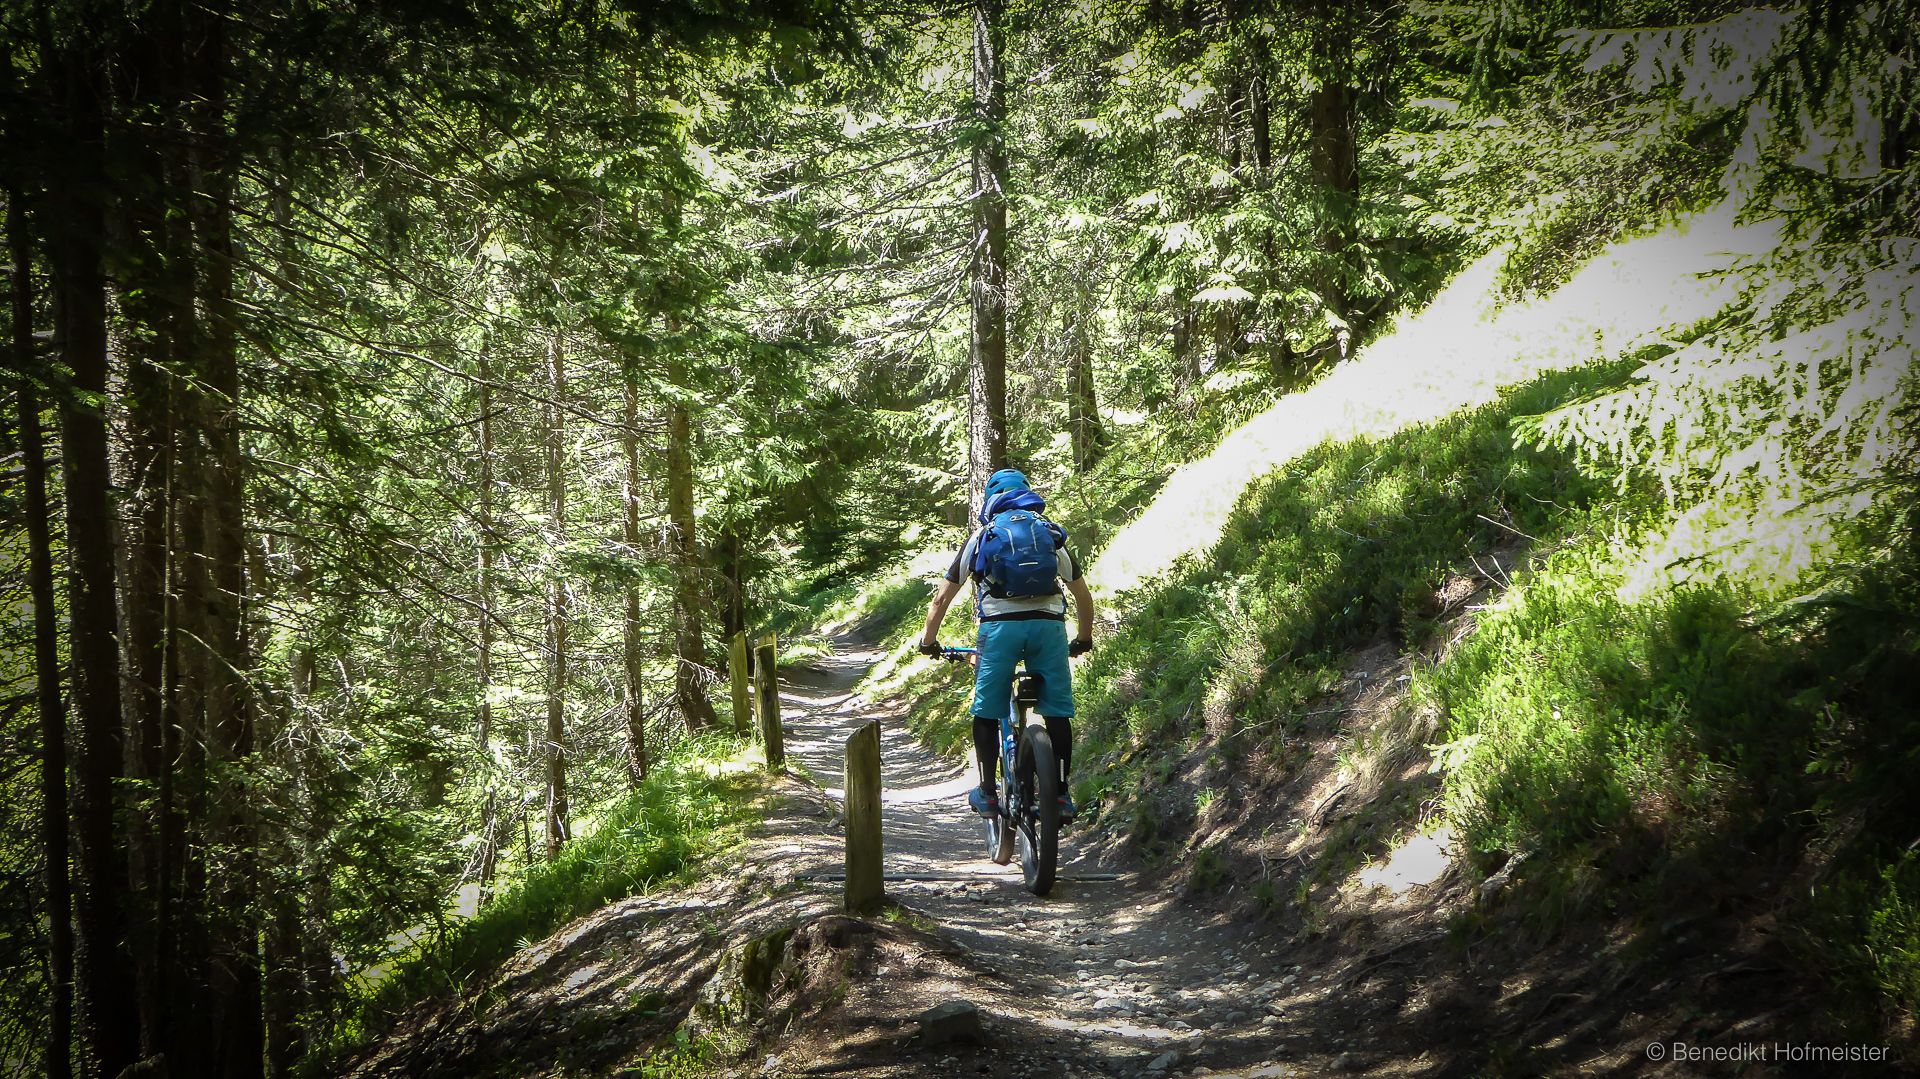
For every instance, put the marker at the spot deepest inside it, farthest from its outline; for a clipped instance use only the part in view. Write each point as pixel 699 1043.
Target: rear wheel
pixel 1039 776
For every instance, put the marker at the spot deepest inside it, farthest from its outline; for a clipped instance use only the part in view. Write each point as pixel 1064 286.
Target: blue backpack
pixel 1015 555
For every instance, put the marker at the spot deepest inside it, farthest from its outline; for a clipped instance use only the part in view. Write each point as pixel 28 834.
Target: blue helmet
pixel 1007 481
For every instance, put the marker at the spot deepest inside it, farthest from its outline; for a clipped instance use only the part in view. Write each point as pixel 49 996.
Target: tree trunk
pixel 1186 353
pixel 483 586
pixel 733 612
pixel 155 299
pixel 1333 158
pixel 235 967
pixel 557 604
pixel 75 229
pixel 1278 348
pixel 987 369
pixel 46 662
pixel 1083 411
pixel 281 839
pixel 633 706
pixel 689 647
pixel 1262 124
pixel 298 928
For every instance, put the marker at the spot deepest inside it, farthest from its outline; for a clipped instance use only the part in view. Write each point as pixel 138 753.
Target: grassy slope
pixel 696 802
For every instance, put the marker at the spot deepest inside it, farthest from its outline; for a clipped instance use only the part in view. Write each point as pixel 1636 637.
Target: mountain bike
pixel 1029 816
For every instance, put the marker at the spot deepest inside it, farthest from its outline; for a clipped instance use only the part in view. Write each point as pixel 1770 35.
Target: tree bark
pixel 110 1028
pixel 483 662
pixel 231 711
pixel 733 612
pixel 558 820
pixel 46 662
pixel 1259 119
pixel 155 299
pixel 987 369
pixel 297 938
pixel 689 646
pixel 634 704
pixel 1186 353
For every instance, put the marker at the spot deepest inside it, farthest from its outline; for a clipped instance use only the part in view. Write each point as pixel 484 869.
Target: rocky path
pixel 1103 977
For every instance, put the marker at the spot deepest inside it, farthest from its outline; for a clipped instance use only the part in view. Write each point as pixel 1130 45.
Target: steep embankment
pixel 1457 353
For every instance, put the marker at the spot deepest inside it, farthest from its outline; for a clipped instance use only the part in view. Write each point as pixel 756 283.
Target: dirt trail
pixel 1103 977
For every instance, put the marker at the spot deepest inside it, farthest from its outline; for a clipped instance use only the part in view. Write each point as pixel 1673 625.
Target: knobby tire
pixel 1039 772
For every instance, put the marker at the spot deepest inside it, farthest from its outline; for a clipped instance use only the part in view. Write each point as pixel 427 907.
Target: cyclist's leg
pixel 986 748
pixel 1047 656
pixel 992 686
pixel 1060 732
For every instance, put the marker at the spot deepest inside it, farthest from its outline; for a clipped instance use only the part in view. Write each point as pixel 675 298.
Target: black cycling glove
pixel 930 648
pixel 1080 646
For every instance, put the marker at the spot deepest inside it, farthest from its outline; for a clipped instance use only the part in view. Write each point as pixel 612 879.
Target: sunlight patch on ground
pixel 1415 863
pixel 951 790
pixel 1458 352
pixel 750 759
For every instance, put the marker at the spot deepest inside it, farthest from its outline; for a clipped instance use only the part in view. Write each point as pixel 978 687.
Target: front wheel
pixel 1039 774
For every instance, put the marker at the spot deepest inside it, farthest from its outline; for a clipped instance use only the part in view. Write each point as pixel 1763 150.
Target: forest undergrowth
pixel 696 802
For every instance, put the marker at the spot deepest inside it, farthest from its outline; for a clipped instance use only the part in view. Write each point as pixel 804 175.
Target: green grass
pixel 1345 545
pixel 692 805
pixel 689 1056
pixel 1660 748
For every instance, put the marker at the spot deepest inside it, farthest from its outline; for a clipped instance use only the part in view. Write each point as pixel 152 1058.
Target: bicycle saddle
pixel 1027 689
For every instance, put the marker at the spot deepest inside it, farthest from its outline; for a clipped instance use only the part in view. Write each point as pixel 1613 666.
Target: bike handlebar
pixel 958 653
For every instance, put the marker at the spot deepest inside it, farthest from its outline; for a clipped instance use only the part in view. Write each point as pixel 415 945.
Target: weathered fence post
pixel 766 681
pixel 864 887
pixel 737 672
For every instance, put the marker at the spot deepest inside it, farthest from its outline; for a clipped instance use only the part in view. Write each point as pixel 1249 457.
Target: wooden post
pixel 864 887
pixel 766 681
pixel 737 672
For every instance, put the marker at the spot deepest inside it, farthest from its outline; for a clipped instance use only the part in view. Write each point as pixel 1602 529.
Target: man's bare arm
pixel 1082 609
pixel 937 612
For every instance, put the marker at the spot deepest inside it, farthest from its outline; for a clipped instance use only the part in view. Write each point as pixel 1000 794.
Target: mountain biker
pixel 1030 627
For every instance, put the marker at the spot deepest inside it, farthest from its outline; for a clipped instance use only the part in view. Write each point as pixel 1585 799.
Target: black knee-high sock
pixel 1060 733
pixel 986 748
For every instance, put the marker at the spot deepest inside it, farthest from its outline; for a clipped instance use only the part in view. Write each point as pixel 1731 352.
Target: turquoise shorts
pixel 1042 642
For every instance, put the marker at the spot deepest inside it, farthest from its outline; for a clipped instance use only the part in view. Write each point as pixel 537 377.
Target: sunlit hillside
pixel 1454 354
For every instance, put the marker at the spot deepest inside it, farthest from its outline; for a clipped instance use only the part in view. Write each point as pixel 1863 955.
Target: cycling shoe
pixel 983 801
